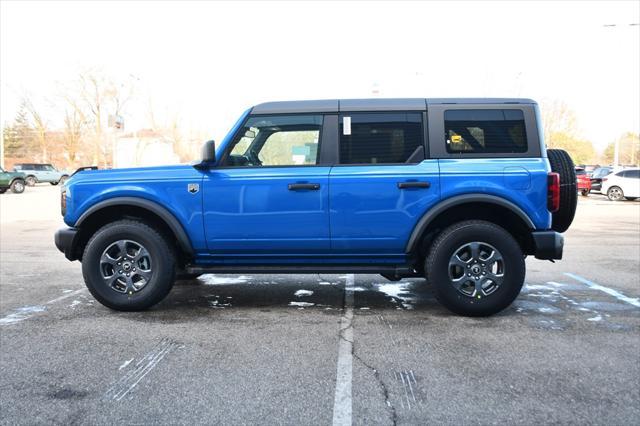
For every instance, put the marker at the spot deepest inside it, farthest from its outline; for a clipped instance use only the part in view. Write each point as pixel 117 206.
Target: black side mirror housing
pixel 208 155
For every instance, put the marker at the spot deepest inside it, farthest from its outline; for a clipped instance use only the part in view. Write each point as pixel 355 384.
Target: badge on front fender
pixel 193 188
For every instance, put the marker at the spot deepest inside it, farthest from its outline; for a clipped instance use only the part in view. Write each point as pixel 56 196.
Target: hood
pixel 134 173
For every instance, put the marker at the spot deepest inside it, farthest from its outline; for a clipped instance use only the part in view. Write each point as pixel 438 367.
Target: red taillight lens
pixel 553 192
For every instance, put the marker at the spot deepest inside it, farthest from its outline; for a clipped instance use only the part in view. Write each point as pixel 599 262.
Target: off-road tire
pixel 446 244
pixel 31 180
pixel 562 164
pixel 163 266
pixel 63 179
pixel 17 186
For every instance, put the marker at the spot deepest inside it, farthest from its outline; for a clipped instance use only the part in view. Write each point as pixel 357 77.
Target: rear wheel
pixel 17 186
pixel 53 183
pixel 477 268
pixel 128 266
pixel 562 164
pixel 63 179
pixel 31 180
pixel 615 193
pixel 585 192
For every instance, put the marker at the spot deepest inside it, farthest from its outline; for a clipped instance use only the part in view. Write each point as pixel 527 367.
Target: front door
pixel 383 183
pixel 268 196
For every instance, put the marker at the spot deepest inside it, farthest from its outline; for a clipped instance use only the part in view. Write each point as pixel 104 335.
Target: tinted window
pixel 388 138
pixel 632 174
pixel 277 140
pixel 485 131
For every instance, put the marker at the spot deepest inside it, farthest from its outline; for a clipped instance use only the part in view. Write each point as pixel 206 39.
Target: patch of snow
pixel 301 304
pixel 210 279
pixel 75 303
pixel 398 292
pixel 22 314
pixel 596 318
pixel 365 308
pixel 303 293
pixel 124 364
pixel 324 283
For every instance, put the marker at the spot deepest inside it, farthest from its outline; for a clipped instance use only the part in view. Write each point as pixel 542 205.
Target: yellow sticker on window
pixel 456 138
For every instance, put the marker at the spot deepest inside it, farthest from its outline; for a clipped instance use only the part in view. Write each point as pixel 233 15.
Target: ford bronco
pixel 458 191
pixel 15 181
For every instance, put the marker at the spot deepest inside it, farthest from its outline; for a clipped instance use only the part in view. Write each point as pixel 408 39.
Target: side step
pixel 385 270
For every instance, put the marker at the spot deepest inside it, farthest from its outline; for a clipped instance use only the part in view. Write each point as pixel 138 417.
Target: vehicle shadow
pixel 318 292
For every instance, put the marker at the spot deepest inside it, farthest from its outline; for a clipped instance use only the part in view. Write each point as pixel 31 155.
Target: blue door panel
pixel 252 210
pixel 522 181
pixel 370 214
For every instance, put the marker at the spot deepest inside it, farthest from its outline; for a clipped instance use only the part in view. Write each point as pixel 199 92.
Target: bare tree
pixel 74 125
pixel 101 96
pixel 557 117
pixel 40 127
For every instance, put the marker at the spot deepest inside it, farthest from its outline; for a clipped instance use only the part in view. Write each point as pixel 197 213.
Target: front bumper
pixel 548 245
pixel 65 239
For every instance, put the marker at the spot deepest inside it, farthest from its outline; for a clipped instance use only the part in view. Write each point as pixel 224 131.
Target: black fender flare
pixel 443 205
pixel 164 214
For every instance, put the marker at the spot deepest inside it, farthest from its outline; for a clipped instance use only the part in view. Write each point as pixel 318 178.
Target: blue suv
pixel 455 190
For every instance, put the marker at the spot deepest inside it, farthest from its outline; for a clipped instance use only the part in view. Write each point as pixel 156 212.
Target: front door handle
pixel 405 185
pixel 299 186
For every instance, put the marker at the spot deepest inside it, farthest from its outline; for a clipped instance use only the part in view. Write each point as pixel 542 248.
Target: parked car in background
pixel 583 181
pixel 11 180
pixel 588 168
pixel 597 175
pixel 622 184
pixel 41 172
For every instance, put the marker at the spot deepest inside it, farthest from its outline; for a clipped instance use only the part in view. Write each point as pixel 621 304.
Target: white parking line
pixel 342 404
pixel 615 293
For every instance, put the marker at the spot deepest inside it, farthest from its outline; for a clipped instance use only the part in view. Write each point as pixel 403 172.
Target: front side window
pixel 634 174
pixel 381 138
pixel 485 131
pixel 278 140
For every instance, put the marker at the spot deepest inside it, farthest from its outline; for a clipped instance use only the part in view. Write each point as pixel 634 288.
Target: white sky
pixel 210 61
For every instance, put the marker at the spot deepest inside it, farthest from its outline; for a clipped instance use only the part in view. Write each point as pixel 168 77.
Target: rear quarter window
pixel 485 131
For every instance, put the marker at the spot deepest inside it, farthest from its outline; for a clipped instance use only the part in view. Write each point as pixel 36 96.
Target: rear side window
pixel 634 174
pixel 485 131
pixel 381 138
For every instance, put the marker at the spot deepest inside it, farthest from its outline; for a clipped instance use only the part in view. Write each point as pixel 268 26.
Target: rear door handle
pixel 405 185
pixel 299 186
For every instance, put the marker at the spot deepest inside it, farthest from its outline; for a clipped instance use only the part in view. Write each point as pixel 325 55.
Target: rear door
pixel 382 183
pixel 631 183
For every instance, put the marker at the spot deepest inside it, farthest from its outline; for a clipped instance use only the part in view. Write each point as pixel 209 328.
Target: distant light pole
pixel 616 150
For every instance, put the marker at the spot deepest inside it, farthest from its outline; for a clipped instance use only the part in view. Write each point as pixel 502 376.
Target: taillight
pixel 553 192
pixel 605 179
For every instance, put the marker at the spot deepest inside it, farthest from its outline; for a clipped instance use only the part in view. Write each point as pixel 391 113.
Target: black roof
pixel 376 104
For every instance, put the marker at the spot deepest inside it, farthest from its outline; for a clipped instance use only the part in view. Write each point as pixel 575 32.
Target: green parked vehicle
pixel 12 180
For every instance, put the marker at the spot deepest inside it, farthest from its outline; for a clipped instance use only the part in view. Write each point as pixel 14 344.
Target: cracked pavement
pixel 253 349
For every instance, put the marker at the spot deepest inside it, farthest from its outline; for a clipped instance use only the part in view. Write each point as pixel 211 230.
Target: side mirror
pixel 208 155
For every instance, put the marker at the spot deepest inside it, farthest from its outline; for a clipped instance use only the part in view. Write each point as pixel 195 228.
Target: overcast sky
pixel 208 62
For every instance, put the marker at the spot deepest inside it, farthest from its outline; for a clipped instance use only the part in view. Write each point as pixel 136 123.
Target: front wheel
pixel 585 192
pixel 17 186
pixel 31 180
pixel 477 268
pixel 128 266
pixel 615 193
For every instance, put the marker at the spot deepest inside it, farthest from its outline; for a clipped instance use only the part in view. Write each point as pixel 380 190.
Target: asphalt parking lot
pixel 321 349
